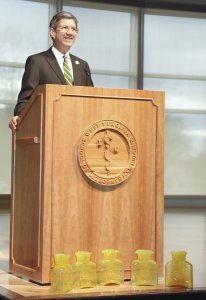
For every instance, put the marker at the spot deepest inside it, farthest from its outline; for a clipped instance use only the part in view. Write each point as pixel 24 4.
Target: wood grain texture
pixel 56 208
pixel 12 287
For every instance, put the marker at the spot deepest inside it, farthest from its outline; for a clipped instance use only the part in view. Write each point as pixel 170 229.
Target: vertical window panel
pixel 107 39
pixel 103 38
pixel 25 29
pixel 175 44
pixel 24 32
pixel 180 94
pixel 10 84
pixel 174 61
pixel 100 38
pixel 185 154
pixel 6 111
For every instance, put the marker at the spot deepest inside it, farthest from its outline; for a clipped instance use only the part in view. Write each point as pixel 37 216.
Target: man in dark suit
pixel 49 67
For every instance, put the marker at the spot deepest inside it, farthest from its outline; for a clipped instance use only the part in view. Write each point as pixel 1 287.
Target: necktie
pixel 67 72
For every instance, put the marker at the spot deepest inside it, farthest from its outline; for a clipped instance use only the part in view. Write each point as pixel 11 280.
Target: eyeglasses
pixel 67 28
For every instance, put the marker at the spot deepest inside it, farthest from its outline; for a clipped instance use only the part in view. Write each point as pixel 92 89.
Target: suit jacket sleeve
pixel 30 81
pixel 43 68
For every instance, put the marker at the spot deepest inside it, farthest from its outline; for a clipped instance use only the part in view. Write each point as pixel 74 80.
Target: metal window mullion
pixel 140 52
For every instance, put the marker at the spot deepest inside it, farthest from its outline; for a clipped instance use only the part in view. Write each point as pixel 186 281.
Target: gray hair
pixel 62 15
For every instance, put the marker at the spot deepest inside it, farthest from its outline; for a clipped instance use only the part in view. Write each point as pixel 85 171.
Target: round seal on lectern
pixel 107 152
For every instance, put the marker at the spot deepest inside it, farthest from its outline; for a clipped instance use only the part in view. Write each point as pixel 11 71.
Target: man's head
pixel 63 30
pixel 62 15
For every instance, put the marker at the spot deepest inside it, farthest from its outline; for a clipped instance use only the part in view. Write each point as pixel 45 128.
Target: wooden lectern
pixel 87 175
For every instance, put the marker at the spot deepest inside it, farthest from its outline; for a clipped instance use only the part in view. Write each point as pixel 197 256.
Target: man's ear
pixel 52 33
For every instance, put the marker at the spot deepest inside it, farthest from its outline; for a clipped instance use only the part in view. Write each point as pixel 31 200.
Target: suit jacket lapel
pixel 75 65
pixel 55 66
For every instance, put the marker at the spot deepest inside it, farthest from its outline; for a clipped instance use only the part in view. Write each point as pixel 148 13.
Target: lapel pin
pixel 76 62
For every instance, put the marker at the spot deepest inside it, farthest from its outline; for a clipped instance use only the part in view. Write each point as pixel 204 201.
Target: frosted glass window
pixel 175 45
pixel 24 29
pixel 174 62
pixel 6 111
pixel 180 94
pixel 108 81
pixel 103 38
pixel 185 154
pixel 10 84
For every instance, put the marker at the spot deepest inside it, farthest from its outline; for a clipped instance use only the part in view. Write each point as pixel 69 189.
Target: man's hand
pixel 14 123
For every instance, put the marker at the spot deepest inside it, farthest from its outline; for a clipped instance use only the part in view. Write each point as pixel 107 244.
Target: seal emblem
pixel 107 152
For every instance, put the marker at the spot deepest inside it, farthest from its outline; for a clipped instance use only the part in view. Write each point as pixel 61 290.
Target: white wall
pixel 184 229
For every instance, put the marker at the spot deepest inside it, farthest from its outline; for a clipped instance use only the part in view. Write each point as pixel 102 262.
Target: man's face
pixel 64 35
